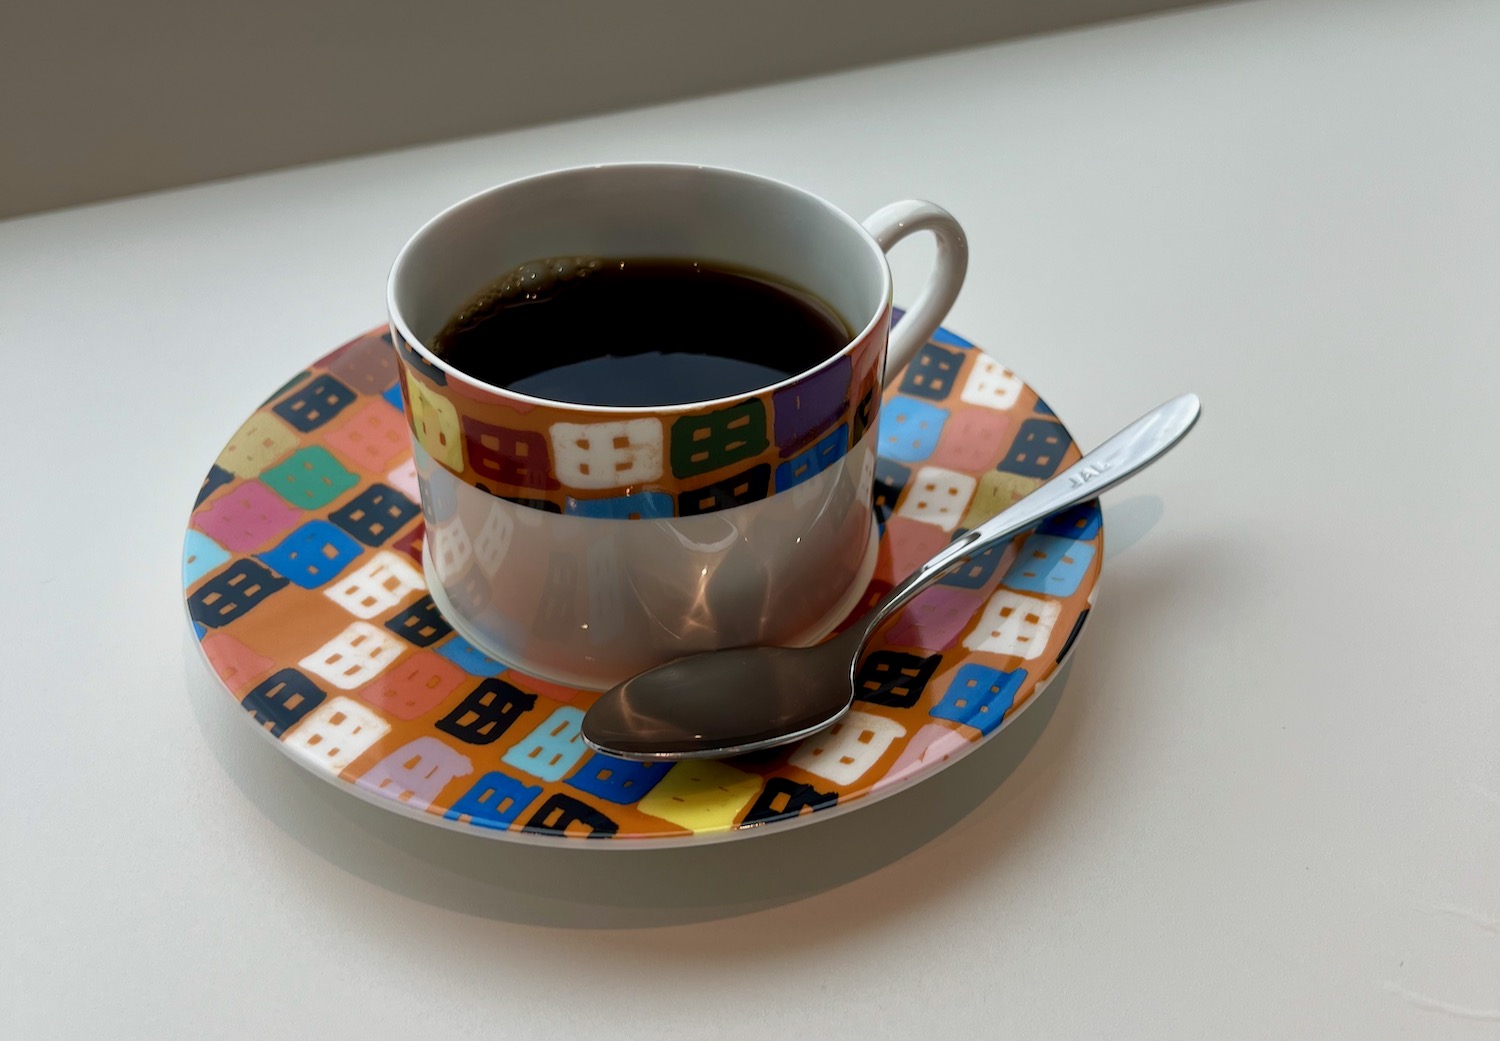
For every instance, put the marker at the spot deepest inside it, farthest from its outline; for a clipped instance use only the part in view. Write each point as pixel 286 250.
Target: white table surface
pixel 1264 801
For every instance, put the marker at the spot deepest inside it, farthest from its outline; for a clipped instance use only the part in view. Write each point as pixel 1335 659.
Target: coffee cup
pixel 584 543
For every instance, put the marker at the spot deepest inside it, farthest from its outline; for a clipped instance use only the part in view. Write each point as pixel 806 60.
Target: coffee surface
pixel 639 332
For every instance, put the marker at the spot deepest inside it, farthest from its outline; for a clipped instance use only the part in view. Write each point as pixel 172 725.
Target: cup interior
pixel 637 210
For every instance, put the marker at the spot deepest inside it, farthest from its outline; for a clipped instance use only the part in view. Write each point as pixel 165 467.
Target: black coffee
pixel 639 332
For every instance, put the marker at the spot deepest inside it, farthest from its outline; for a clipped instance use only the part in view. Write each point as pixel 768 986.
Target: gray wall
pixel 104 99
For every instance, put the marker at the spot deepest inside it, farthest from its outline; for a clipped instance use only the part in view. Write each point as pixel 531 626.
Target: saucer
pixel 303 577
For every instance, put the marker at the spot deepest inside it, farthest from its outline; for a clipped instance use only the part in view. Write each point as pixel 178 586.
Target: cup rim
pixel 398 320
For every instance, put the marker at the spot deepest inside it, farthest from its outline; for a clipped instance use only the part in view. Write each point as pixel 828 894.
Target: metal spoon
pixel 727 702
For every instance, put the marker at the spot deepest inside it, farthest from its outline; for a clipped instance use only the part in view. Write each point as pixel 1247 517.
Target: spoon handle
pixel 1124 454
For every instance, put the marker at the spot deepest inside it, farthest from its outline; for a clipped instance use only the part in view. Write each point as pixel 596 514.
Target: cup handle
pixel 889 225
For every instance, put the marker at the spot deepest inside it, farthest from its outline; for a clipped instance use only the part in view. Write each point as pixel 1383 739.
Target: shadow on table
pixel 603 886
pixel 1126 522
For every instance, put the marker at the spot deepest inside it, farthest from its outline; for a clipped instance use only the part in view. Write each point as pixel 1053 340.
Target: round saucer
pixel 302 572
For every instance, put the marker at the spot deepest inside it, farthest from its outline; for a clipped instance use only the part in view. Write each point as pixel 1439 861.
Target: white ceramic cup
pixel 583 544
